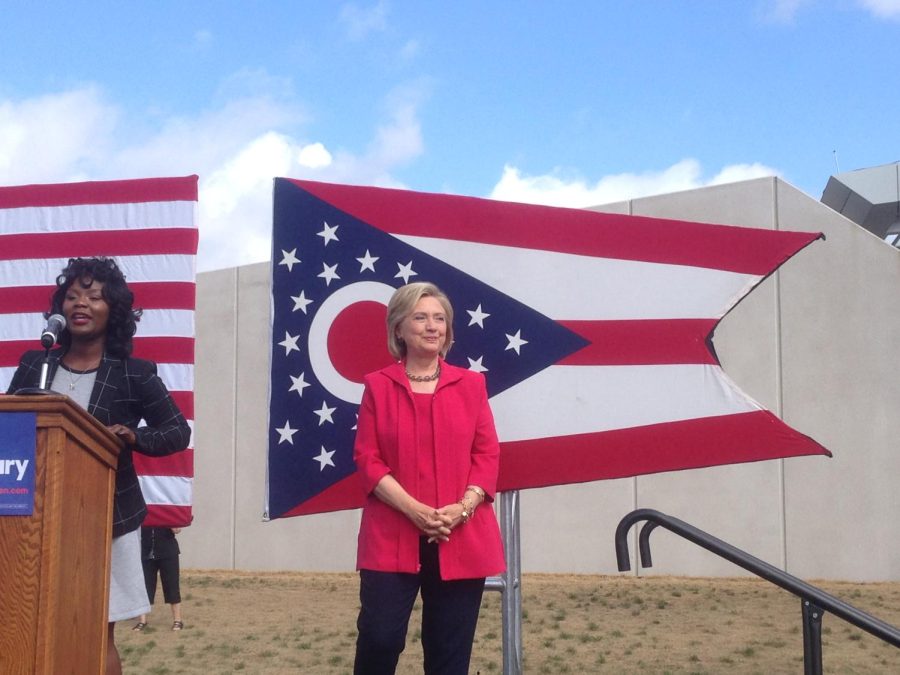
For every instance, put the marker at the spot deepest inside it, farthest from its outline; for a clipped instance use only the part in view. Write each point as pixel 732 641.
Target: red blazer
pixel 466 453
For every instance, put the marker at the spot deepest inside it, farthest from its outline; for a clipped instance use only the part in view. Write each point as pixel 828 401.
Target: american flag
pixel 593 332
pixel 149 227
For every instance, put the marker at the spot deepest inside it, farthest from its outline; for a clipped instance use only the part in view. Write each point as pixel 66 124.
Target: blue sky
pixel 569 103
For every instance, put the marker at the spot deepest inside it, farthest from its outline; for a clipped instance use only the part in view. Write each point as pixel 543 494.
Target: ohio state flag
pixel 593 332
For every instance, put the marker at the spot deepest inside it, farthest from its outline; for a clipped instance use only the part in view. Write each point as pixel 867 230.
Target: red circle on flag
pixel 357 340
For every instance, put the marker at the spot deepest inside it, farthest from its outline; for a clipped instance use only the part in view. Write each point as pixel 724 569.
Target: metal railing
pixel 509 584
pixel 814 602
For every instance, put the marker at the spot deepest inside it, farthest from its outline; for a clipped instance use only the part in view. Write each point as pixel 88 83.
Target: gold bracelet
pixel 477 490
pixel 466 514
pixel 468 509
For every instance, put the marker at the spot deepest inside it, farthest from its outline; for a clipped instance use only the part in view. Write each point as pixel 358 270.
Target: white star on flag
pixel 329 233
pixel 406 271
pixel 324 458
pixel 299 384
pixel 301 302
pixel 324 414
pixel 515 341
pixel 329 273
pixel 285 433
pixel 476 365
pixel 289 343
pixel 367 262
pixel 289 259
pixel 477 315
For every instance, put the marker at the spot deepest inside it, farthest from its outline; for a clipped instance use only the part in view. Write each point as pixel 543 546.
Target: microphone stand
pixel 41 389
pixel 45 369
pixel 56 323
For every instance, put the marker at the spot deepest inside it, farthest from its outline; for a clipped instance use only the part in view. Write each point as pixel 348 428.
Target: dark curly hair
pixel 123 317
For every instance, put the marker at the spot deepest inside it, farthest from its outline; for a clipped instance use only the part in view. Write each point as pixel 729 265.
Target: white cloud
pixel 199 144
pixel 554 189
pixel 410 50
pixel 236 198
pixel 314 156
pixel 203 40
pixel 785 11
pixel 734 173
pixel 887 9
pixel 235 203
pixel 55 137
pixel 236 149
pixel 360 21
pixel 251 83
pixel 397 142
pixel 400 139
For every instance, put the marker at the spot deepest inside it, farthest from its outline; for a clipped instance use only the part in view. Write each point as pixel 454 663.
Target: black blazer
pixel 125 392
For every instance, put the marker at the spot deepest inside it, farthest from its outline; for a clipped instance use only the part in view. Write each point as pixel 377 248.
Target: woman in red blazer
pixel 427 453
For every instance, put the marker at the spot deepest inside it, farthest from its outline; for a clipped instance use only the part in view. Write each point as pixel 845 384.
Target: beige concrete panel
pixel 747 345
pixel 738 503
pixel 840 331
pixel 208 543
pixel 620 208
pixel 255 545
pixel 571 528
pixel 747 204
pixel 254 542
pixel 317 543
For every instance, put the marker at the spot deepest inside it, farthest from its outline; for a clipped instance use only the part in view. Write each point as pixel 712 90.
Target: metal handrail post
pixel 812 637
pixel 512 587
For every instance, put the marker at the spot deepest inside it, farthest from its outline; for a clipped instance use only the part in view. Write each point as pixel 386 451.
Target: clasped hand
pixel 438 523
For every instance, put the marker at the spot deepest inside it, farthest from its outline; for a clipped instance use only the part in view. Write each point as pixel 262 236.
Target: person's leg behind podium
pixel 169 575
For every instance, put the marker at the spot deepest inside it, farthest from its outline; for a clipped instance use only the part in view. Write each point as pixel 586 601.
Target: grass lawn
pixel 277 623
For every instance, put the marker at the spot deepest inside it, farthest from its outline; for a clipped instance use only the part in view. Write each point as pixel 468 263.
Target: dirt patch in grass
pixel 277 623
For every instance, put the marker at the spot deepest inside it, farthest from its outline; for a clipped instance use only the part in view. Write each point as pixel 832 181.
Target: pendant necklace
pixel 74 380
pixel 75 375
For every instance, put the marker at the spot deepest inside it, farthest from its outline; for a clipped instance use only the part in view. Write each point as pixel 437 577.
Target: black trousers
pixel 449 616
pixel 168 569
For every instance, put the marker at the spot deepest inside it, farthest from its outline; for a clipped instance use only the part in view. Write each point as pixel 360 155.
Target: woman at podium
pixel 93 366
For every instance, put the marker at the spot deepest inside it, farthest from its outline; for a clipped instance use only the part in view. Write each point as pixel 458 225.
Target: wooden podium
pixel 54 564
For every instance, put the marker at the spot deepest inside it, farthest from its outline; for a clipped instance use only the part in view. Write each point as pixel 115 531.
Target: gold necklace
pixel 73 381
pixel 425 378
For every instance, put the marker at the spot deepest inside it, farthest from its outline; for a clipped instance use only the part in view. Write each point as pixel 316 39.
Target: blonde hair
pixel 401 306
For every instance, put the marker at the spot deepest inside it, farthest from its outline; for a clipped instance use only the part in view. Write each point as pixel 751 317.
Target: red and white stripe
pixel 149 227
pixel 647 394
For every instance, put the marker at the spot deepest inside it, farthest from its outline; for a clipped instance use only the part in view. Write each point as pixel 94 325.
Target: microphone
pixel 55 325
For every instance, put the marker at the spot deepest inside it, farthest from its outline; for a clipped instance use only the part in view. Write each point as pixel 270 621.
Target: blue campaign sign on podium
pixel 17 447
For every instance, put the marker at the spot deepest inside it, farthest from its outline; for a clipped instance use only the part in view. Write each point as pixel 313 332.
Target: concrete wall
pixel 813 343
